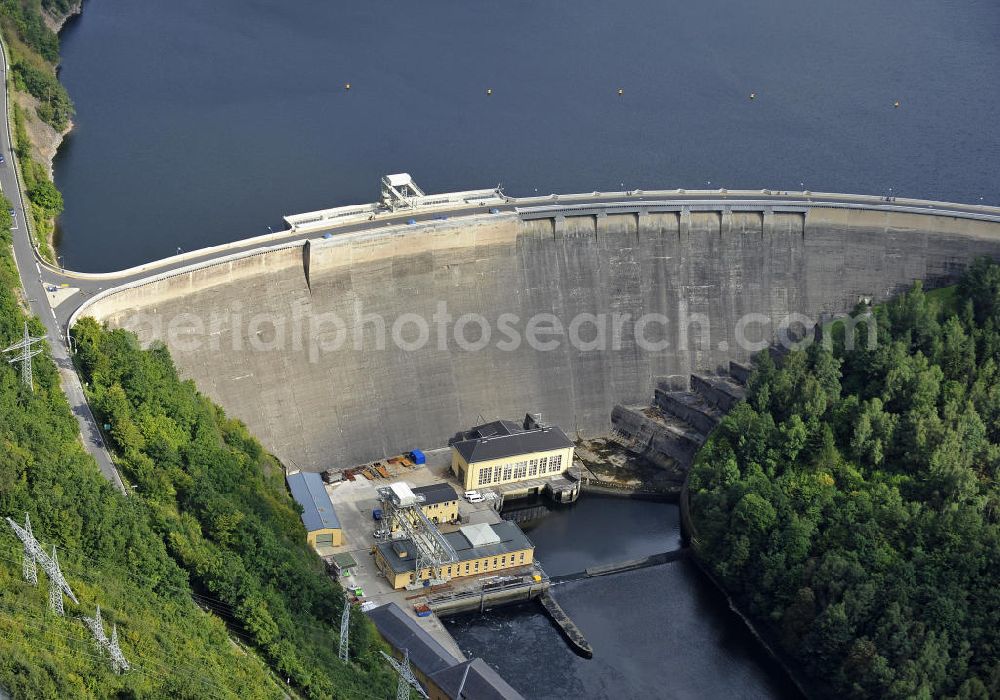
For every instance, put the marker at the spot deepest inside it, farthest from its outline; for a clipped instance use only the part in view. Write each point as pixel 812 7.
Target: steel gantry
pixel 403 512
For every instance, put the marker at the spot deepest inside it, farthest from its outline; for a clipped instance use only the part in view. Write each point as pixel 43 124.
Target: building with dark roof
pixel 318 515
pixel 503 452
pixel 472 680
pixel 481 548
pixel 440 503
pixel 427 656
pixel 443 676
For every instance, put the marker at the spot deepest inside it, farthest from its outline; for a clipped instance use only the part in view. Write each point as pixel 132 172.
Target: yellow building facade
pixel 440 502
pixel 507 470
pixel 507 548
pixel 502 452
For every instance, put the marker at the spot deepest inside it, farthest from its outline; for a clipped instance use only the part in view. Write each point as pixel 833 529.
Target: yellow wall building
pixel 322 525
pixel 440 502
pixel 502 452
pixel 481 549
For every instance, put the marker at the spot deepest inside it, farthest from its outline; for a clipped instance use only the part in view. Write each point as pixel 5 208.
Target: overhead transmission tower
pixel 96 626
pixel 345 628
pixel 403 511
pixel 50 565
pixel 406 678
pixel 25 355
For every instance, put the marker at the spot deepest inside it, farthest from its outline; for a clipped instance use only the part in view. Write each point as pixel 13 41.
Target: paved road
pixel 90 284
pixel 31 277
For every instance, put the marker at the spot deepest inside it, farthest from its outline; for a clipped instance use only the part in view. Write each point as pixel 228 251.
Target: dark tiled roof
pixel 436 493
pixel 480 683
pixel 511 443
pixel 317 509
pixel 512 539
pixel 402 632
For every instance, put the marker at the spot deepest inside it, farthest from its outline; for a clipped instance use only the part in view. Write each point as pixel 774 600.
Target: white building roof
pixel 399 179
pixel 403 493
pixel 480 534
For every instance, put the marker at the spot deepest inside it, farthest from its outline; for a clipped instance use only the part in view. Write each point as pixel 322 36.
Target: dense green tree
pixel 852 502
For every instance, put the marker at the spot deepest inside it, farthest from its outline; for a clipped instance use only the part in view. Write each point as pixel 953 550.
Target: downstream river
pixel 203 122
pixel 661 632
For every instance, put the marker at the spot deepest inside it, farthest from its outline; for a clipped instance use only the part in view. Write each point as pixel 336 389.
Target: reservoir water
pixel 661 632
pixel 203 122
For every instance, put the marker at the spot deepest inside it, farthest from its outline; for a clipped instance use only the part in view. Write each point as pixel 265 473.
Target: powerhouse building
pixel 503 452
pixel 481 548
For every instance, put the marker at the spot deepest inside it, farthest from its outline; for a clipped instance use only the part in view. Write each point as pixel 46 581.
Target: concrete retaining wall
pixel 319 409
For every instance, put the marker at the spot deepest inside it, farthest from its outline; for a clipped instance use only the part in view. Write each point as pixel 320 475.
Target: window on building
pixel 466 568
pixel 520 470
pixel 522 556
pixel 533 468
pixel 554 463
pixel 542 464
pixel 477 566
pixel 485 474
pixel 503 561
pixel 507 471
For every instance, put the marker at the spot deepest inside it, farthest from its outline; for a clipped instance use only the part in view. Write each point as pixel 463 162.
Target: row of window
pixel 519 470
pixel 473 567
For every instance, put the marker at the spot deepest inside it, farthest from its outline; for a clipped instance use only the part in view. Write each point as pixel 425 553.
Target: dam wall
pixel 297 341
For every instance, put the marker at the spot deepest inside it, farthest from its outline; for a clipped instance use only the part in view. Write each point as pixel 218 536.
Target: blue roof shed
pixel 317 509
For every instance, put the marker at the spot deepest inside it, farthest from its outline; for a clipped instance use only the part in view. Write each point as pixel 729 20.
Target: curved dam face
pixel 298 341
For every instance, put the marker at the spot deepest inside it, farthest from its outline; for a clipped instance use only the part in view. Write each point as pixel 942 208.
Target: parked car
pixel 410 222
pixel 327 236
pixel 2 161
pixel 494 210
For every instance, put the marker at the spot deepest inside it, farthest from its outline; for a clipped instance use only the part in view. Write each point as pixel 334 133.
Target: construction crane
pixel 406 678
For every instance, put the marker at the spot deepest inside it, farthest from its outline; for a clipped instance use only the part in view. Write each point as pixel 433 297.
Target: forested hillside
pixel 132 556
pixel 33 54
pixel 851 504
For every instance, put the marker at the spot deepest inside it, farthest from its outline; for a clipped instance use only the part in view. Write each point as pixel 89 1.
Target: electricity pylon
pixel 96 626
pixel 345 627
pixel 406 677
pixel 50 565
pixel 25 355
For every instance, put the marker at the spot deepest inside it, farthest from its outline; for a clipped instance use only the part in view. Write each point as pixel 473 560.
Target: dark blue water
pixel 600 530
pixel 656 633
pixel 202 122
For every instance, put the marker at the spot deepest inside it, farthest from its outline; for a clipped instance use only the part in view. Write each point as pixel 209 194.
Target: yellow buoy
pixel 347 86
pixel 489 91
pixel 621 92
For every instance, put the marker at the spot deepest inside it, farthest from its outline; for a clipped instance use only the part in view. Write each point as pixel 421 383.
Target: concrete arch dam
pixel 287 338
